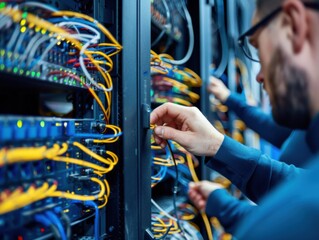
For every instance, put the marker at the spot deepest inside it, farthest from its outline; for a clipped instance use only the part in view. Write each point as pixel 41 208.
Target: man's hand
pixel 218 88
pixel 186 126
pixel 199 192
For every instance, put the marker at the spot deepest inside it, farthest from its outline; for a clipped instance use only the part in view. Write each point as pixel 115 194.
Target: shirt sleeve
pixel 227 209
pixel 290 212
pixel 254 173
pixel 257 120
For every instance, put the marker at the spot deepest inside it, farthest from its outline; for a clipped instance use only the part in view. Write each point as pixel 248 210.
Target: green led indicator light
pixel 2 5
pixel 42 124
pixel 2 52
pixel 2 66
pixel 38 74
pixel 27 73
pixel 15 70
pixel 21 71
pixel 24 15
pixel 55 78
pixel 33 74
pixel 19 124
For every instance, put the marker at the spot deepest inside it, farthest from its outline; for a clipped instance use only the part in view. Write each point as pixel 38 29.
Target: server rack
pixel 126 215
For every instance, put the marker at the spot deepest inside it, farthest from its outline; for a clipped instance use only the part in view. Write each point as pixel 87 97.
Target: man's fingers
pixel 169 133
pixel 166 113
pixel 160 141
pixel 201 205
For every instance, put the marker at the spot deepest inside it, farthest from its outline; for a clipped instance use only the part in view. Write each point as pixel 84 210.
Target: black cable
pixel 158 38
pixel 165 234
pixel 175 188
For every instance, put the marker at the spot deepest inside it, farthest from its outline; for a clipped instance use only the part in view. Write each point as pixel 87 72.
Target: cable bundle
pixel 163 226
pixel 63 47
pixel 60 46
pixel 172 83
pixel 19 198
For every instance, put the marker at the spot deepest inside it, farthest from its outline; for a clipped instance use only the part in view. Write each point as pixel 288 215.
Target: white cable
pixel 14 37
pixel 45 52
pixel 92 29
pixel 54 41
pixel 82 37
pixel 162 211
pixel 4 18
pixel 83 49
pixel 37 4
pixel 93 40
pixel 19 42
pixel 191 39
pixel 44 6
pixel 32 45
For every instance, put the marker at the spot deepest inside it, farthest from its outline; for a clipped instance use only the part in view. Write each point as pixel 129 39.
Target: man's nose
pixel 260 77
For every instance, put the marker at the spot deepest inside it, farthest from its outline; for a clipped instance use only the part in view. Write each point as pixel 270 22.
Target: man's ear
pixel 296 12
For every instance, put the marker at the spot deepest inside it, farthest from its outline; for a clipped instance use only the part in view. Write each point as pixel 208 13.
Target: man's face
pixel 285 83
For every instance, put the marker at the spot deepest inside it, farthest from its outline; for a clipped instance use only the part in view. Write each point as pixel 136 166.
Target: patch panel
pixel 71 178
pixel 57 142
pixel 51 72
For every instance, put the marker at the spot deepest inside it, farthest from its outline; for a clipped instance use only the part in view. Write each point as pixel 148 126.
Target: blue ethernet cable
pixel 160 174
pixel 42 219
pixel 65 218
pixel 97 218
pixel 56 221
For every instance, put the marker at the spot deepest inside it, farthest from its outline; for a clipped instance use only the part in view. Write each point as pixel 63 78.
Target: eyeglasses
pixel 250 51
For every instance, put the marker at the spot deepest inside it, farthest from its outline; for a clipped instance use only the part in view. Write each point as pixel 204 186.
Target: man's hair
pixel 264 7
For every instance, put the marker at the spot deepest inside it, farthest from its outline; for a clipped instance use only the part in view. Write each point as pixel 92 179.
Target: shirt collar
pixel 312 136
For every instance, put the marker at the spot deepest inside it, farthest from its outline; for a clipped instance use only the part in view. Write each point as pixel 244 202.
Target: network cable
pixel 191 38
pixel 96 220
pixel 56 221
pixel 42 219
pixel 195 179
pixel 175 185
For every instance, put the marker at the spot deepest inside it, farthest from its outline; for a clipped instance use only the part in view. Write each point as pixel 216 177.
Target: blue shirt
pixel 290 212
pixel 294 149
pixel 254 173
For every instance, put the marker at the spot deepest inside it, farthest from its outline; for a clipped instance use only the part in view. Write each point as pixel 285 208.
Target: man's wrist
pixel 224 98
pixel 216 142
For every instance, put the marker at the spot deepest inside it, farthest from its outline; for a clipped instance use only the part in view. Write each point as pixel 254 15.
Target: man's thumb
pixel 169 133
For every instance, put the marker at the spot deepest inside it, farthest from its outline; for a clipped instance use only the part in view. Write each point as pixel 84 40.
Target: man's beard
pixel 289 92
